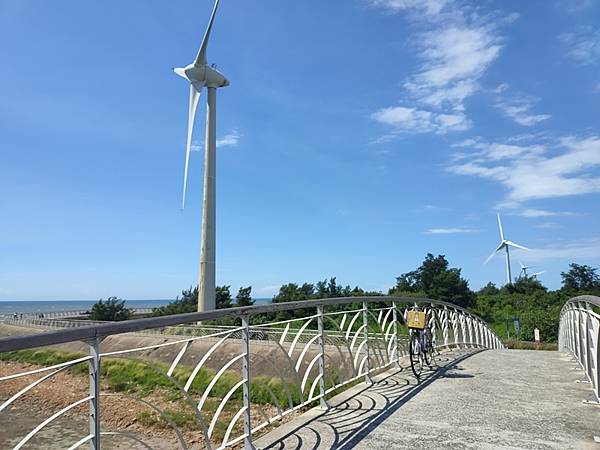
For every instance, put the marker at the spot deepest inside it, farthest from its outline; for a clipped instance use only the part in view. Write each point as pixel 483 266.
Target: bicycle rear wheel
pixel 416 358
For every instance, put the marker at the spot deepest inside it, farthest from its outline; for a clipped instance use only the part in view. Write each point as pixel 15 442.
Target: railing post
pixel 595 353
pixel 470 328
pixel 590 365
pixel 455 326
pixel 445 325
pixel 323 401
pixel 463 330
pixel 579 336
pixel 246 387
pixel 396 340
pixel 94 380
pixel 366 334
pixel 575 332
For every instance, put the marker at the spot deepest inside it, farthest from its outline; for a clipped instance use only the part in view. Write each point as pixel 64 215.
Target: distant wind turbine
pixel 200 75
pixel 524 269
pixel 504 245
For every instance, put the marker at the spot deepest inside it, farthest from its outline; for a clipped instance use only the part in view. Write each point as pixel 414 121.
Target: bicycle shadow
pixel 356 413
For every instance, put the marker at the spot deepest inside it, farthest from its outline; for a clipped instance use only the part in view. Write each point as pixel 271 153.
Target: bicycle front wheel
pixel 416 358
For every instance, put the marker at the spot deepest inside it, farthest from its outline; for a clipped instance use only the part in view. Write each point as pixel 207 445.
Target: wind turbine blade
pixel 181 72
pixel 512 244
pixel 539 273
pixel 201 58
pixel 500 226
pixel 194 97
pixel 487 260
pixel 500 247
pixel 492 255
pixel 523 265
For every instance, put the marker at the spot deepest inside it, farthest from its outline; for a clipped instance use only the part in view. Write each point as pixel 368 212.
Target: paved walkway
pixel 497 399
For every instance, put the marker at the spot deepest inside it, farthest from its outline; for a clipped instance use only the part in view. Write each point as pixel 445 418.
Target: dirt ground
pixel 120 413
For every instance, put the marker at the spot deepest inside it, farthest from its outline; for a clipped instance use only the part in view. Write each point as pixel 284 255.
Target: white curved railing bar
pixel 579 334
pixel 50 419
pixel 365 335
pixel 80 442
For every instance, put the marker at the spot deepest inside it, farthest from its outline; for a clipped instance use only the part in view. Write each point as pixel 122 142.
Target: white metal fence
pixel 312 349
pixel 579 333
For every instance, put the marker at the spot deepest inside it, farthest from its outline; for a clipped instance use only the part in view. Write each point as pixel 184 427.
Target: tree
pixel 545 320
pixel 488 289
pixel 525 285
pixel 224 299
pixel 436 280
pixel 113 309
pixel 581 278
pixel 244 297
pixel 291 292
pixel 188 302
pixel 330 289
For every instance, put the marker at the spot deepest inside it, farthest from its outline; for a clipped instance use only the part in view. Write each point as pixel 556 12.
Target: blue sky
pixel 356 136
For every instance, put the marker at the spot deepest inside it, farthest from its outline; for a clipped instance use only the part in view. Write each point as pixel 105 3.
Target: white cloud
pixel 429 7
pixel 454 57
pixel 431 207
pixel 517 106
pixel 449 231
pixel 231 139
pixel 571 251
pixel 548 225
pixel 457 48
pixel 583 45
pixel 565 168
pixel 575 6
pixel 419 121
pixel 518 110
pixel 533 212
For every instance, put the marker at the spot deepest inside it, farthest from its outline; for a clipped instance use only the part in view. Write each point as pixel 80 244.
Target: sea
pixel 10 307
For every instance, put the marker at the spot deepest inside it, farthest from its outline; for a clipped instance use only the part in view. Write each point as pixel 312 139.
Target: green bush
pixel 113 309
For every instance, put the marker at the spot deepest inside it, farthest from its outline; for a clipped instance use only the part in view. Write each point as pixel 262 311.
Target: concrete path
pixel 496 399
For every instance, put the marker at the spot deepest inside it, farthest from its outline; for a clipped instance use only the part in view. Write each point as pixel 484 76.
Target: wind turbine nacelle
pixel 206 74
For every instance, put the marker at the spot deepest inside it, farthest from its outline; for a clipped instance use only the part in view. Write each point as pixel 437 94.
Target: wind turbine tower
pixel 504 245
pixel 200 75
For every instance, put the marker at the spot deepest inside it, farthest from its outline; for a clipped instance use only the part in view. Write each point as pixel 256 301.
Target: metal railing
pixel 310 348
pixel 579 333
pixel 52 315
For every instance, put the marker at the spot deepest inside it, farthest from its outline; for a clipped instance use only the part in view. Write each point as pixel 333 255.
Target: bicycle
pixel 421 345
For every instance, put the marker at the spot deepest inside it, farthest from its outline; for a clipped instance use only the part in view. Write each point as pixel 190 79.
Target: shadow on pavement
pixel 353 417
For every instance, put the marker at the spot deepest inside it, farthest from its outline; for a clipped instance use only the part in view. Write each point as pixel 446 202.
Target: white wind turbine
pixel 200 75
pixel 535 275
pixel 505 244
pixel 525 268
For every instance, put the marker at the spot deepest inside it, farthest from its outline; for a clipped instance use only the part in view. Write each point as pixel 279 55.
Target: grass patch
pixel 526 345
pixel 123 375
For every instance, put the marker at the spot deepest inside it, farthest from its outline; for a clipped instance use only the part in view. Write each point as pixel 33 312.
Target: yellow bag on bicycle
pixel 416 320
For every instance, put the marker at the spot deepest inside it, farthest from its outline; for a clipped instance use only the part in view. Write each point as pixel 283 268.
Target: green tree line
pixel 526 300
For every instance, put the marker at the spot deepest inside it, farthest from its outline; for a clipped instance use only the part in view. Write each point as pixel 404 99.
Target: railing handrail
pixel 93 332
pixel 583 298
